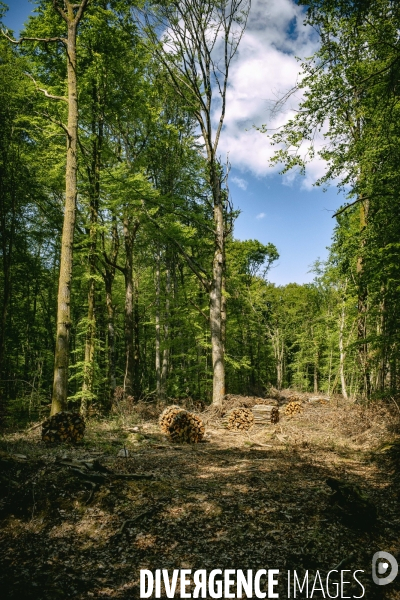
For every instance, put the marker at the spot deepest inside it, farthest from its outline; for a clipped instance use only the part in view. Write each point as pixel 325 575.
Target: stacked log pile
pixel 167 417
pixel 63 427
pixel 240 419
pixel 181 425
pixel 264 413
pixel 293 408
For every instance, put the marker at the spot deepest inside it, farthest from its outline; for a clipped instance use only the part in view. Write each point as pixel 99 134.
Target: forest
pixel 120 266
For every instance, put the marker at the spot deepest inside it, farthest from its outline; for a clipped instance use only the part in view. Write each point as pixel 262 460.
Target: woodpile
pixel 297 397
pixel 63 427
pixel 181 425
pixel 167 416
pixel 293 408
pixel 264 413
pixel 240 419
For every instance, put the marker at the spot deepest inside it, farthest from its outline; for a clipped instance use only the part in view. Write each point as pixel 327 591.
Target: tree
pixel 200 40
pixel 71 14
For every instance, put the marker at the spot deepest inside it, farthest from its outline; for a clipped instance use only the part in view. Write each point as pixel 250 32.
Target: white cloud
pixel 264 70
pixel 242 183
pixel 260 216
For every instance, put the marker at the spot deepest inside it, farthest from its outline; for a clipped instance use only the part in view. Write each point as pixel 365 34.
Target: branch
pixel 203 314
pixel 45 92
pixel 339 212
pixel 55 121
pixel 81 8
pixel 33 39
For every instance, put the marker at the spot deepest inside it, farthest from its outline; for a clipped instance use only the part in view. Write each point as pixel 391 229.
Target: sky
pixel 286 210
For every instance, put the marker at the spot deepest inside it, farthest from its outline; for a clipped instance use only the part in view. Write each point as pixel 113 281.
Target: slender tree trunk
pixel 330 372
pixel 88 373
pixel 128 325
pixel 316 368
pixel 130 230
pixel 164 368
pixel 109 276
pixel 7 236
pixel 217 348
pixel 342 353
pixel 61 359
pixel 158 328
pixel 362 307
pixel 137 392
pixel 94 178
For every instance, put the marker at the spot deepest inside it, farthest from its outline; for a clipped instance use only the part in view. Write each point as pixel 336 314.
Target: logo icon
pixel 384 563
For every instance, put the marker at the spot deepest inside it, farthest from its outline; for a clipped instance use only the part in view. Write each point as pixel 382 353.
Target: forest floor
pixel 253 500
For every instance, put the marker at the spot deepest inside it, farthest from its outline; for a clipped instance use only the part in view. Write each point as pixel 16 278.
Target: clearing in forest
pixel 251 500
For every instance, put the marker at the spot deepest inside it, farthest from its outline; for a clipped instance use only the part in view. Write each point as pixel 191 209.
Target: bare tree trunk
pixel 137 392
pixel 278 347
pixel 158 328
pixel 342 352
pixel 109 276
pixel 217 348
pixel 330 372
pixel 129 238
pixel 7 237
pixel 88 373
pixel 362 308
pixel 316 367
pixel 164 369
pixel 61 359
pixel 94 178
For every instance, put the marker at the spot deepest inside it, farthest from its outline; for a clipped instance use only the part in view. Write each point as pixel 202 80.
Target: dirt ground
pixel 252 500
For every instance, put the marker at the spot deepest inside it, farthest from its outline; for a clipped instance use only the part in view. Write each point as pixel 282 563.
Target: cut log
pixel 264 413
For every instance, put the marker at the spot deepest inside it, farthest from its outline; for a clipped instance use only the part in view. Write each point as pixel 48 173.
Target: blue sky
pixel 287 211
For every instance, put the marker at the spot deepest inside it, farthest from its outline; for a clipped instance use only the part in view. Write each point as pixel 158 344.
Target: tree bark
pixel 362 307
pixel 94 179
pixel 130 230
pixel 165 359
pixel 342 353
pixel 217 347
pixel 158 328
pixel 61 359
pixel 137 392
pixel 109 276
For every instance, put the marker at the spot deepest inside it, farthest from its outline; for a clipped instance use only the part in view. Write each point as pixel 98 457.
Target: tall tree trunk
pixel 137 392
pixel 61 359
pixel 165 360
pixel 316 385
pixel 342 352
pixel 362 307
pixel 88 372
pixel 217 348
pixel 7 236
pixel 94 179
pixel 158 328
pixel 109 276
pixel 130 230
